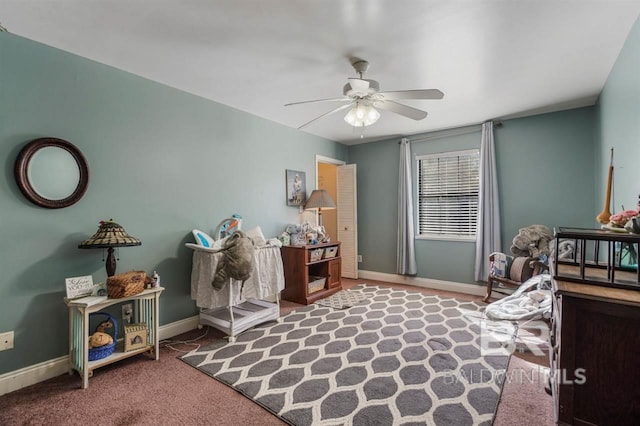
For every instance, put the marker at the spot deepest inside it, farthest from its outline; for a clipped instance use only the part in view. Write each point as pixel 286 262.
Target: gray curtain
pixel 488 230
pixel 406 260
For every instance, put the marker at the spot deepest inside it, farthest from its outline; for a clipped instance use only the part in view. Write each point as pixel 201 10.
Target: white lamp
pixel 320 199
pixel 362 115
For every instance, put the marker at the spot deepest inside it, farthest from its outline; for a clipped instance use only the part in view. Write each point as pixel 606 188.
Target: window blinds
pixel 448 186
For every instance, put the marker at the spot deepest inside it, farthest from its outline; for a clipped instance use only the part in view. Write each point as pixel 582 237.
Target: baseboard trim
pixel 18 379
pixel 472 289
pixel 167 331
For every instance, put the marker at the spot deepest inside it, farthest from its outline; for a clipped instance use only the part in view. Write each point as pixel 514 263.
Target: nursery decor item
pixel 126 284
pixel 296 187
pixel 101 344
pixel 110 235
pixel 320 199
pixel 605 214
pixel 51 173
pixel 135 336
pixel 83 286
pixel 228 226
pixel 237 262
pixel 532 241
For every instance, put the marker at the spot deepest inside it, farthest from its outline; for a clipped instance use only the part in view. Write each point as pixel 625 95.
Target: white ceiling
pixel 492 58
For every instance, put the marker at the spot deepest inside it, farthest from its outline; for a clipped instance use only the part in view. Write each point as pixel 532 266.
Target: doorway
pixel 327 180
pixel 339 180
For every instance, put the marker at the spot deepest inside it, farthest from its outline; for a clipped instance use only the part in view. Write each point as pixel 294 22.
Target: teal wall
pixel 618 117
pixel 545 171
pixel 545 175
pixel 162 162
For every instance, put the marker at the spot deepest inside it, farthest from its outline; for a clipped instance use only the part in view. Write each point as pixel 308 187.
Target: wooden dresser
pixel 595 356
pixel 308 278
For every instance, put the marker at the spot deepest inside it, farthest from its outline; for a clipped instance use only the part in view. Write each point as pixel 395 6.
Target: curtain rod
pixel 455 131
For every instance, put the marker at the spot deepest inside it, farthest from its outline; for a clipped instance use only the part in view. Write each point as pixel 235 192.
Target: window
pixel 448 186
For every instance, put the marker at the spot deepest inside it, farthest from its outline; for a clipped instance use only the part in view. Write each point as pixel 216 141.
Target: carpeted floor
pixel 141 391
pixel 397 357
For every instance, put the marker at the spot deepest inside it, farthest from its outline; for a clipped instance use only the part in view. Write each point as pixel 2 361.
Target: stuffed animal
pixel 296 234
pixel 293 228
pixel 100 338
pixel 532 241
pixel 237 262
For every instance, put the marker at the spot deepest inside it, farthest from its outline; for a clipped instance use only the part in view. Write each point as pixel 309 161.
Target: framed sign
pixel 84 286
pixel 296 188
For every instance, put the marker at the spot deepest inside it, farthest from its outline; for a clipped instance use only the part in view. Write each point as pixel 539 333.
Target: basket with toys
pixel 101 343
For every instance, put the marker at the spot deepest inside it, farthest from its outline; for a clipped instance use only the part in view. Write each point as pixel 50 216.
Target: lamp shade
pixel 110 234
pixel 320 199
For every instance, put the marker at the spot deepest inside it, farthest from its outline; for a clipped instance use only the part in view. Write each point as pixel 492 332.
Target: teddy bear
pixel 532 241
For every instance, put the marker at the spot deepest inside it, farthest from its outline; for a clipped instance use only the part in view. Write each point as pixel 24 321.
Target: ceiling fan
pixel 363 96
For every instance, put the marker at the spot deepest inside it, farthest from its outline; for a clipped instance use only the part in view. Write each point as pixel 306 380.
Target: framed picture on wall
pixel 296 188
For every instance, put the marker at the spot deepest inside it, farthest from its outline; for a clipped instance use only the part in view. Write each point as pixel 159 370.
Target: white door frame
pixel 327 160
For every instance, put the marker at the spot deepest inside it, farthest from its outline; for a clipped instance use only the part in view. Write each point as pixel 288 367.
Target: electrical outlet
pixel 127 312
pixel 359 258
pixel 6 341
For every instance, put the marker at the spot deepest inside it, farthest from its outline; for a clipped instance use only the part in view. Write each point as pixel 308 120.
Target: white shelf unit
pixel 147 308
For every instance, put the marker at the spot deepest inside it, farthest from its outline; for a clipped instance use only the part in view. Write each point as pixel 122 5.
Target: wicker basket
pixel 330 252
pixel 106 350
pixel 125 285
pixel 316 283
pixel 315 254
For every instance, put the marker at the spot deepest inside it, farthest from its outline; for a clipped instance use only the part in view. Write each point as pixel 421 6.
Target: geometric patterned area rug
pixel 343 299
pixel 398 358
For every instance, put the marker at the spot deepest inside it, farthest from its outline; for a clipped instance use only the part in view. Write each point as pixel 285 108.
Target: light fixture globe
pixel 362 115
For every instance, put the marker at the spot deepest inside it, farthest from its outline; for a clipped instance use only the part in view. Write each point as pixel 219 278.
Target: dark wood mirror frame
pixel 21 172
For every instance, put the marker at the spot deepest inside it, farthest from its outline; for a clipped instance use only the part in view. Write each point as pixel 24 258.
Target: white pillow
pixel 202 238
pixel 256 236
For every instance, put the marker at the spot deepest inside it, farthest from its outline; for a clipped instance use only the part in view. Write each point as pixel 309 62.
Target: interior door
pixel 348 219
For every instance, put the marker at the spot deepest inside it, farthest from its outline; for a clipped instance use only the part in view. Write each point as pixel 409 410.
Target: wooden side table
pixel 302 272
pixel 146 307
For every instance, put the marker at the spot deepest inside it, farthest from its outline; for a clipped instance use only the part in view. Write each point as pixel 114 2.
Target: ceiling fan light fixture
pixel 362 115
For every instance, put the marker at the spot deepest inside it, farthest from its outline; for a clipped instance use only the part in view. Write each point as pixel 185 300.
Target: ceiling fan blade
pixel 320 100
pixel 404 110
pixel 340 108
pixel 412 94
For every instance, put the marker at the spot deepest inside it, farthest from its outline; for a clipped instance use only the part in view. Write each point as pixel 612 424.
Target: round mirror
pixel 52 173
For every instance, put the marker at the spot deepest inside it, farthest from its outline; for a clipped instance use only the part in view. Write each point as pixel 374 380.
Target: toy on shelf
pixel 102 344
pixel 228 226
